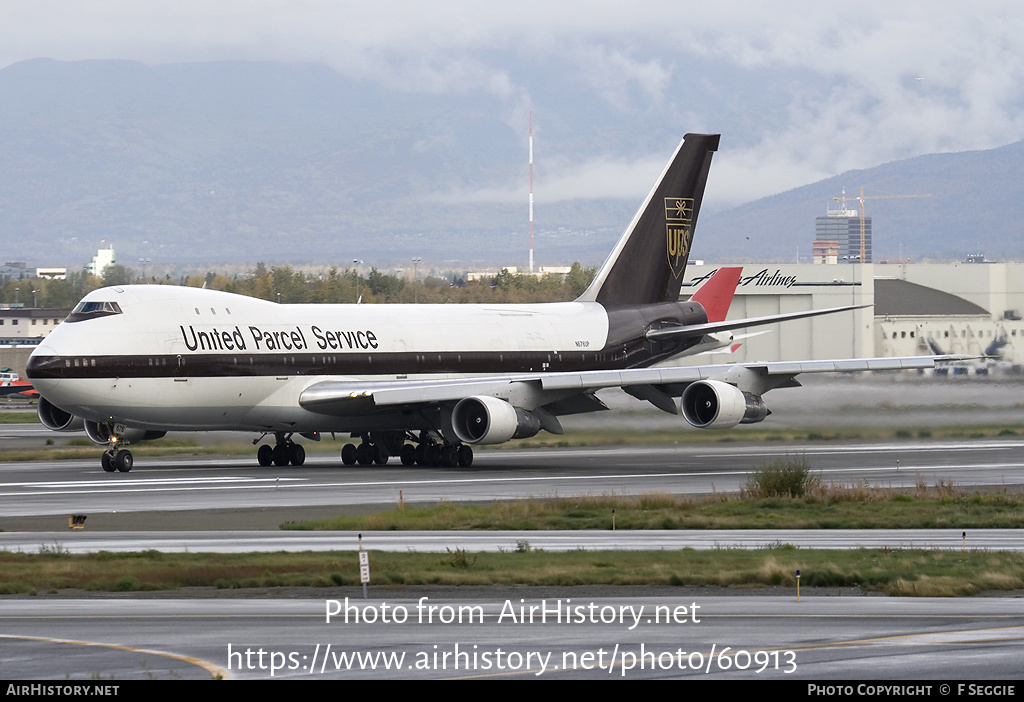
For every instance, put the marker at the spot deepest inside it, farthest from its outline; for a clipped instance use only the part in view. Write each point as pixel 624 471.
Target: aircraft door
pixel 180 369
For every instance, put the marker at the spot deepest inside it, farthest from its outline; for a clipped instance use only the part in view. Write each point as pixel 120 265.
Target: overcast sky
pixel 808 89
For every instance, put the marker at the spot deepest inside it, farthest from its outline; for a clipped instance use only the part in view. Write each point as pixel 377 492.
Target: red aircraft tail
pixel 715 296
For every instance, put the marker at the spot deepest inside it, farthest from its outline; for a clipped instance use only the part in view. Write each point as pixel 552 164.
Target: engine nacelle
pixel 488 420
pixel 56 419
pixel 708 403
pixel 100 434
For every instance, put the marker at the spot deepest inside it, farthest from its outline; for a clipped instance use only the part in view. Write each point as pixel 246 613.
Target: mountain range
pixel 243 162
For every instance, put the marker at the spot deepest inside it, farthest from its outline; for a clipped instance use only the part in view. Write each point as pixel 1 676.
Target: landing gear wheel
pixel 408 455
pixel 465 456
pixel 124 460
pixel 433 455
pixel 349 454
pixel 265 455
pixel 107 462
pixel 365 454
pixel 380 455
pixel 298 454
pixel 281 455
pixel 450 456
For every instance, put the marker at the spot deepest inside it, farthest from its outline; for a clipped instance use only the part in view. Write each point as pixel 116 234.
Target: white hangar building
pixel 916 309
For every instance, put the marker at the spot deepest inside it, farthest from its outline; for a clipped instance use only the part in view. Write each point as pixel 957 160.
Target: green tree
pixel 116 274
pixel 383 286
pixel 580 278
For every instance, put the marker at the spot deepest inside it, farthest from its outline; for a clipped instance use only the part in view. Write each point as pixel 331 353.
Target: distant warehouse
pixel 22 325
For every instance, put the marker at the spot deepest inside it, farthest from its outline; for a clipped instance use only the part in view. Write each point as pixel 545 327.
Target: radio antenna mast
pixel 531 191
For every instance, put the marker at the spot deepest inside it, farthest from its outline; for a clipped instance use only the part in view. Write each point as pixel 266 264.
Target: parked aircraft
pixel 13 384
pixel 715 296
pixel 424 382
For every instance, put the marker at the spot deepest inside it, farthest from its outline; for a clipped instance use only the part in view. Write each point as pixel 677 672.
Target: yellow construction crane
pixel 861 198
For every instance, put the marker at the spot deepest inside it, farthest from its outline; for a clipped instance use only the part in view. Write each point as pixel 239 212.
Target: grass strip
pixel 16 417
pixel 894 572
pixel 834 507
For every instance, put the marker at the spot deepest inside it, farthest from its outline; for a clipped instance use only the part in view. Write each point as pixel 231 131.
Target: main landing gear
pixel 425 452
pixel 285 451
pixel 374 448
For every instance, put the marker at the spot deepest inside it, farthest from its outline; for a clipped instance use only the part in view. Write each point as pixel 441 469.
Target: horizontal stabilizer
pixel 712 327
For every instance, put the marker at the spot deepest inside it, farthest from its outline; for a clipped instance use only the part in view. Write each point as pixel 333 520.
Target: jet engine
pixel 56 419
pixel 488 420
pixel 100 434
pixel 712 403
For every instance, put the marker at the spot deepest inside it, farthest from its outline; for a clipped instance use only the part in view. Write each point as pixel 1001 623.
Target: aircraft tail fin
pixel 715 296
pixel 647 264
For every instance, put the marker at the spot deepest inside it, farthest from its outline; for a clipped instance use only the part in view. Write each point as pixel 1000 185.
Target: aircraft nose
pixel 44 365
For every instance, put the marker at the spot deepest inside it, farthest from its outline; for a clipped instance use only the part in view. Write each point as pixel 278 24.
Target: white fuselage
pixel 188 359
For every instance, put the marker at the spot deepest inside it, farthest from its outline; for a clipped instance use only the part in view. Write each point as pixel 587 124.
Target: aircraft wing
pixel 712 327
pixel 656 384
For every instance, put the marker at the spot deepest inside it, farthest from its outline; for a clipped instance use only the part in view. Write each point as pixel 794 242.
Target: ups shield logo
pixel 678 232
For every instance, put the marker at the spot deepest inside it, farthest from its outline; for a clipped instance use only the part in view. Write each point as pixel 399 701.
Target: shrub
pixel 781 477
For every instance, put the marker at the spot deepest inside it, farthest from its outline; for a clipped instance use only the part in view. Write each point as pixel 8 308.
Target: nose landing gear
pixel 117 459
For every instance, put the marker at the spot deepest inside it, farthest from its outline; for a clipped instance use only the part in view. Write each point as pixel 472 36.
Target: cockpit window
pixel 91 309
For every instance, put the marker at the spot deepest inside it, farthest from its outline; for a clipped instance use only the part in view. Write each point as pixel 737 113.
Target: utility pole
pixel 416 280
pixel 355 264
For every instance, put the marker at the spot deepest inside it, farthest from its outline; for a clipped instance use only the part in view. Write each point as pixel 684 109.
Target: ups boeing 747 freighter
pixel 422 382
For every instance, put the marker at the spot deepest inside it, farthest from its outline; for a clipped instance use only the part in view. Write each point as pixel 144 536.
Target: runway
pixel 516 635
pixel 767 637
pixel 160 486
pixel 81 542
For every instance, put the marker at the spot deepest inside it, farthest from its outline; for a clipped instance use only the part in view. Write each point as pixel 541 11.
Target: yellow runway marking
pixel 215 671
